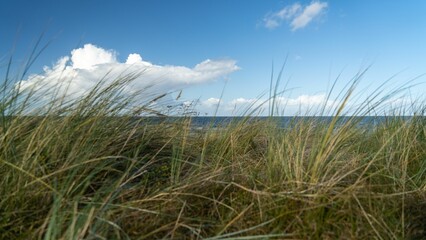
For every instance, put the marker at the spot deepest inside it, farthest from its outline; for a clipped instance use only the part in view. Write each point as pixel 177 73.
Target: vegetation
pixel 89 169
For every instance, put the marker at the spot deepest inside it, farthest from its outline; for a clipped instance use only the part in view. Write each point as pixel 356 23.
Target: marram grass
pixel 89 169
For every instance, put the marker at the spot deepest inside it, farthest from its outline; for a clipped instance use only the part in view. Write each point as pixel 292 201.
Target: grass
pixel 89 169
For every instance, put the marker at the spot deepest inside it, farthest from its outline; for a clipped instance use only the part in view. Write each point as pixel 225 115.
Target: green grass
pixel 88 170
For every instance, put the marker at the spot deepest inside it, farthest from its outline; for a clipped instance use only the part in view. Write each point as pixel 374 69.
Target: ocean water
pixel 283 122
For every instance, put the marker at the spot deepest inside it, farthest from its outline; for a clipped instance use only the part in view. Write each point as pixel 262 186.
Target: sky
pixel 219 50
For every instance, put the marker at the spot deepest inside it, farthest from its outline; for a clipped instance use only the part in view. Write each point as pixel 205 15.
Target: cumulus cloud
pixel 78 73
pixel 210 103
pixel 134 58
pixel 89 56
pixel 302 100
pixel 303 104
pixel 305 100
pixel 243 101
pixel 296 15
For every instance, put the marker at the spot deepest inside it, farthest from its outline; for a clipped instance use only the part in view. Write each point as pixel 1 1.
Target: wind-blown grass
pixel 89 169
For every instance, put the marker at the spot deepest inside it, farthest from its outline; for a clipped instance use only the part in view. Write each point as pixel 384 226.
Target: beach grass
pixel 90 169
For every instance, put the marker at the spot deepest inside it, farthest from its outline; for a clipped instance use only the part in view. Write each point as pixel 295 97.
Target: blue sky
pixel 241 38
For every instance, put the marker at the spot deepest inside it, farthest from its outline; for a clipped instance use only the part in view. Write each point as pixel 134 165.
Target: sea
pixel 199 122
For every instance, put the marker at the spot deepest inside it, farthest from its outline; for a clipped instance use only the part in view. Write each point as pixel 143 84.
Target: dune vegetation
pixel 90 169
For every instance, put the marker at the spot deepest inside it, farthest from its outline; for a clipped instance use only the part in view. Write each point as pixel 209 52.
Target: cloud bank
pixel 296 15
pixel 78 73
pixel 300 105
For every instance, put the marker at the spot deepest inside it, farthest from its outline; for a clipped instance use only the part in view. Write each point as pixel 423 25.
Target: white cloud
pixel 243 101
pixel 89 56
pixel 305 100
pixel 78 73
pixel 302 100
pixel 310 12
pixel 303 104
pixel 290 11
pixel 211 102
pixel 297 15
pixel 271 23
pixel 133 58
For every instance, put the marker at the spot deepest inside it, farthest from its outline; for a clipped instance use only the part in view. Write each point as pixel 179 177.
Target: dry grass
pixel 90 170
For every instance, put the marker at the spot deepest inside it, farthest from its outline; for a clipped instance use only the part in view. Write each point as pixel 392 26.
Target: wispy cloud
pixel 273 20
pixel 309 13
pixel 296 15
